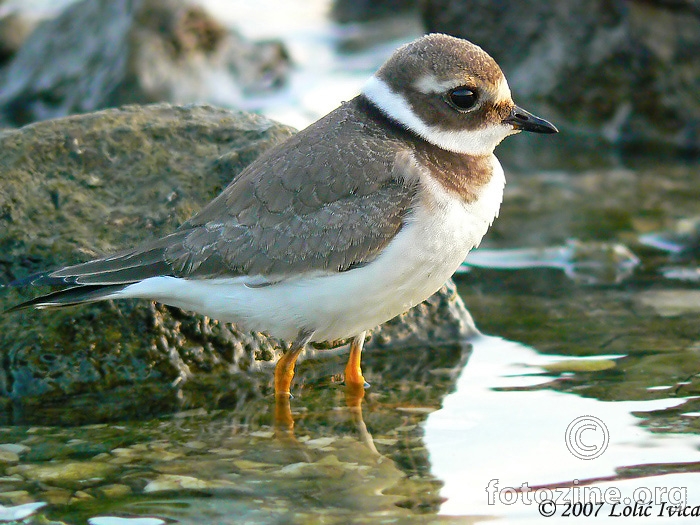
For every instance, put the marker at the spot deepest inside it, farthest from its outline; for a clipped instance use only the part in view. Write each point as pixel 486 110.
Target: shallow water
pixel 438 425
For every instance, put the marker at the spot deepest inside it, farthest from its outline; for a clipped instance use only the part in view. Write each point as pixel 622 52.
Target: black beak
pixel 525 121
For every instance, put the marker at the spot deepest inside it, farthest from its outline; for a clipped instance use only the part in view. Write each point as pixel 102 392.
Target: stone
pixel 98 54
pixel 17 448
pixel 14 29
pixel 65 473
pixel 246 464
pixel 320 442
pixel 627 72
pixel 15 497
pixel 56 496
pixel 63 219
pixel 348 11
pixel 8 457
pixel 173 482
pixel 114 491
pixel 671 303
pixel 329 467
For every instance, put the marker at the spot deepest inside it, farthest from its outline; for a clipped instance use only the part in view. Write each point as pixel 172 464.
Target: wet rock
pixel 159 165
pixel 63 218
pixel 100 54
pixel 114 491
pixel 320 442
pixel 15 497
pixel 328 467
pixel 15 448
pixel 170 482
pixel 579 365
pixel 671 303
pixel 8 457
pixel 56 496
pixel 246 464
pixel 69 474
pixel 635 64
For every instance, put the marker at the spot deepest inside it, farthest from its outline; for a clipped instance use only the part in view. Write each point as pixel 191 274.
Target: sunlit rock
pixel 99 53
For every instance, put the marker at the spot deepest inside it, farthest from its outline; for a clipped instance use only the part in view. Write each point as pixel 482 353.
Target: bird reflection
pixel 354 396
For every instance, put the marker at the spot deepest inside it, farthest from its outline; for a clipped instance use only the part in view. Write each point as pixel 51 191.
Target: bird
pixel 343 226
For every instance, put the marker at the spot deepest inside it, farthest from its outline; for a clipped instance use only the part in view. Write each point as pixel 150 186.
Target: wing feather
pixel 303 206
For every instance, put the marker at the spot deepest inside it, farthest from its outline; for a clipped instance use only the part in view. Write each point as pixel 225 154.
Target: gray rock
pixel 102 53
pixel 85 185
pixel 347 11
pixel 628 71
pixel 14 29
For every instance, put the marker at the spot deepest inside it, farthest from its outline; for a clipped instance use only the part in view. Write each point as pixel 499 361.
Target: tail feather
pixel 69 297
pixel 99 279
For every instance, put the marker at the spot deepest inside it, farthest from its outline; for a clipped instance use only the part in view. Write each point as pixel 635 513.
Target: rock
pixel 156 166
pixel 14 29
pixel 100 54
pixel 347 11
pixel 328 467
pixel 173 482
pixel 14 497
pixel 320 442
pixel 114 491
pixel 68 474
pixel 246 464
pixel 52 213
pixel 56 496
pixel 15 448
pixel 671 303
pixel 626 71
pixel 8 457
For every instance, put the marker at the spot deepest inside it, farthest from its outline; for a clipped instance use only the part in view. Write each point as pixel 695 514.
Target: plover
pixel 345 225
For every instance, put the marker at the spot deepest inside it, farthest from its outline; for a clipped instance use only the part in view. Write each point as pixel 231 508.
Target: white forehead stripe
pixel 429 84
pixel 504 90
pixel 471 142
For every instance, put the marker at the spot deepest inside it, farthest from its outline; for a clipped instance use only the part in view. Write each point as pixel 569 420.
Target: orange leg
pixel 284 373
pixel 355 391
pixel 284 370
pixel 284 422
pixel 353 370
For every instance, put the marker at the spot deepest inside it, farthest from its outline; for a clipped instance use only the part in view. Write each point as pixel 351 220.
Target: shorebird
pixel 352 221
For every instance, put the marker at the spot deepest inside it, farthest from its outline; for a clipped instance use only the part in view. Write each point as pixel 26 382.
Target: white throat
pixel 470 142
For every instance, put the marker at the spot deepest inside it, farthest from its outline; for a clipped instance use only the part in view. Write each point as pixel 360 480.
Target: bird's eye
pixel 462 98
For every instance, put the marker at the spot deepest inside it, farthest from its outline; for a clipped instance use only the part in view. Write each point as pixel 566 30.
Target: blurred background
pixel 587 284
pixel 622 71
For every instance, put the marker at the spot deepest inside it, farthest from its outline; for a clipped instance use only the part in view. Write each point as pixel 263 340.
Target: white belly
pixel 419 260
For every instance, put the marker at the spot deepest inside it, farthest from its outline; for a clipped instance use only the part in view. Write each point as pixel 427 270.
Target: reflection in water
pixel 503 423
pixel 592 263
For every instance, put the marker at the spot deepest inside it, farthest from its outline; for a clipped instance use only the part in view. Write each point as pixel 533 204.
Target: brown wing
pixel 328 199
